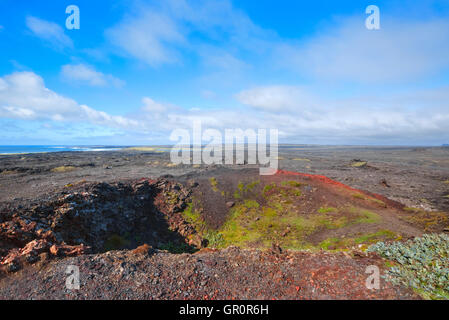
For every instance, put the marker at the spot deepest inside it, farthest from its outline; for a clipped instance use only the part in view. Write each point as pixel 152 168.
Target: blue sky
pixel 136 70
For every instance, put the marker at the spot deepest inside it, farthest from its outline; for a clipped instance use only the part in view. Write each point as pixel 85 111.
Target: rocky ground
pixel 225 274
pixel 413 176
pixel 92 209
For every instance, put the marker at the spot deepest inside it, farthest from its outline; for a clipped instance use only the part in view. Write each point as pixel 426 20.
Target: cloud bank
pixel 85 74
pixel 50 32
pixel 421 116
pixel 23 95
pixel 403 51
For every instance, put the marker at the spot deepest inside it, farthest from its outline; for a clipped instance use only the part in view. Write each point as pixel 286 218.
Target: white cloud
pixel 49 31
pixel 23 95
pixel 152 106
pixel 276 98
pixel 147 37
pixel 411 117
pixel 399 51
pixel 81 73
pixel 161 33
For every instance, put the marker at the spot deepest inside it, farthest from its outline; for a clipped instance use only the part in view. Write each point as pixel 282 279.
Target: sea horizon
pixel 26 149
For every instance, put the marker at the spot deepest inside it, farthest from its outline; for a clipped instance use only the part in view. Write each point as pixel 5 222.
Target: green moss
pixel 252 185
pixel 251 204
pixel 269 212
pixel 235 232
pixel 286 192
pixel 279 219
pixel 378 202
pixel 374 237
pixel 333 243
pixel 238 194
pixel 243 190
pixel 172 197
pixel 214 184
pixel 291 183
pixel 327 209
pixel 215 239
pixel 268 188
pixel 369 238
pixel 366 216
pixel 278 206
pixel 429 220
pixel 359 196
pixel 331 222
pixel 389 264
pixel 359 164
pixel 249 223
pixel 192 215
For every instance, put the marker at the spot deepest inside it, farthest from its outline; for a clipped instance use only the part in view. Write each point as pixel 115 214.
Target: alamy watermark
pixel 72 282
pixel 230 149
pixel 373 280
pixel 73 20
pixel 372 22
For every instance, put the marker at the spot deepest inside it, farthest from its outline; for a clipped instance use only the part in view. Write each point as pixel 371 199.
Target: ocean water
pixel 38 149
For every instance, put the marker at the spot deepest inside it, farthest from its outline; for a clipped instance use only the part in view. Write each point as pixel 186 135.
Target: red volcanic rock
pixel 143 249
pixel 54 250
pixel 95 215
pixel 35 247
pixel 12 257
pixel 66 250
pixel 47 235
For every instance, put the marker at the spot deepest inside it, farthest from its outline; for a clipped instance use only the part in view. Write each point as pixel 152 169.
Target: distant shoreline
pixel 14 150
pixel 36 149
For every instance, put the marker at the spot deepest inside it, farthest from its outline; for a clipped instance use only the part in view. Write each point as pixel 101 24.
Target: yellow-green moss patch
pixel 214 184
pixel 366 216
pixel 63 169
pixel 327 209
pixel 359 164
pixel 140 149
pixel 429 220
pixel 335 243
pixel 6 172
